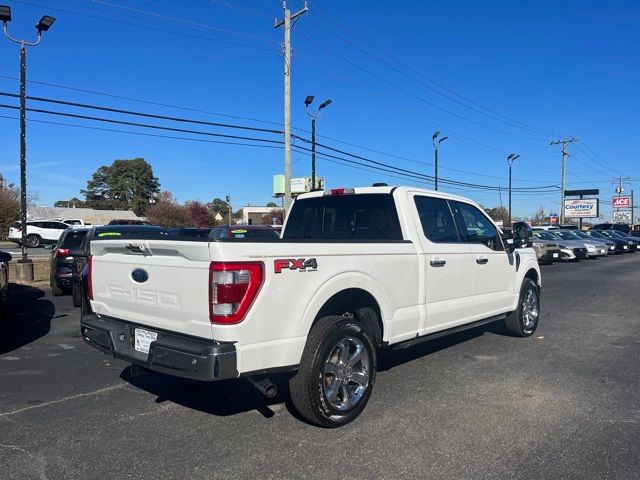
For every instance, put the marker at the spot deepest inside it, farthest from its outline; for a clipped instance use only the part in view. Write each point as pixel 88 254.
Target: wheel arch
pixel 358 303
pixel 349 294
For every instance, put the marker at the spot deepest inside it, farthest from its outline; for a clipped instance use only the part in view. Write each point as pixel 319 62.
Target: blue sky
pixel 534 71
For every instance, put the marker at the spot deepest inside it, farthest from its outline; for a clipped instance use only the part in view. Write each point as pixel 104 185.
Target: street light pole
pixel 510 159
pixel 436 144
pixel 308 101
pixel 43 25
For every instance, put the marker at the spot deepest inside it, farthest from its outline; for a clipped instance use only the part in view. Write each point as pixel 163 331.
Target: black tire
pixel 76 295
pixel 524 320
pixel 56 291
pixel 33 241
pixel 310 385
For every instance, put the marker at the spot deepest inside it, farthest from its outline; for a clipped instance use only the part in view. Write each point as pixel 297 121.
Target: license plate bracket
pixel 143 339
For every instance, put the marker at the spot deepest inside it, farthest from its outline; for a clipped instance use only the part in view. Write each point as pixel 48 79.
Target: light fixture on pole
pixel 510 159
pixel 436 144
pixel 307 102
pixel 24 268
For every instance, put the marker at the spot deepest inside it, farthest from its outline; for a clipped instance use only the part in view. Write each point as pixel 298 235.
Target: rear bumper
pixel 173 354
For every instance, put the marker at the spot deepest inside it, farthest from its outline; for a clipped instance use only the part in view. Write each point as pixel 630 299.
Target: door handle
pixel 482 261
pixel 438 262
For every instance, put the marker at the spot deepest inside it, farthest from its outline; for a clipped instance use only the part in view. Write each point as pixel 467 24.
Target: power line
pixel 186 22
pixel 148 102
pixel 429 87
pixel 416 72
pixel 140 114
pixel 148 27
pixel 242 9
pixel 407 92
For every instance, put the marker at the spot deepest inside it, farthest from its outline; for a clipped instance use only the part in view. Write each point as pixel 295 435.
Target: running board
pixel 444 333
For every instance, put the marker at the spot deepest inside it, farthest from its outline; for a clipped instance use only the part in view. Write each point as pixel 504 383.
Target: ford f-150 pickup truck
pixel 355 270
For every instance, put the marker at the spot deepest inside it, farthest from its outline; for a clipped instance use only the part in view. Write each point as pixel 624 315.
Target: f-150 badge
pixel 300 264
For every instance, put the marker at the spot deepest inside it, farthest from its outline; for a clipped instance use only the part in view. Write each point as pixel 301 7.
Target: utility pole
pixel 229 205
pixel 436 144
pixel 288 17
pixel 308 101
pixel 510 159
pixel 564 142
pixel 24 267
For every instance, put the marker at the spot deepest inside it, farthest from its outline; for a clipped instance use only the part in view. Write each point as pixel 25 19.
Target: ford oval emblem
pixel 139 275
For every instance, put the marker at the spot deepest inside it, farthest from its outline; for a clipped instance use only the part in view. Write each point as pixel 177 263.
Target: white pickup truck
pixel 355 270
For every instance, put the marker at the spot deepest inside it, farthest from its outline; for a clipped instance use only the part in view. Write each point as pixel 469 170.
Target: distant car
pixel 76 222
pixel 623 227
pixel 5 258
pixel 547 251
pixel 546 227
pixel 126 221
pixel 620 245
pixel 62 257
pixel 594 248
pixel 246 231
pixel 632 245
pixel 570 250
pixel 191 232
pixel 39 232
pixel 609 245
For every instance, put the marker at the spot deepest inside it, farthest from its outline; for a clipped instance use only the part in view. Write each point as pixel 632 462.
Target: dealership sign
pixel 622 217
pixel 621 202
pixel 585 208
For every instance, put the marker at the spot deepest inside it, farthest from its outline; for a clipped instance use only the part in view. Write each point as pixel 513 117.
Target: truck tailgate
pixel 161 284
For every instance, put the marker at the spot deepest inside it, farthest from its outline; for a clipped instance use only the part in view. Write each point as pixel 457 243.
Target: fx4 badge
pixel 300 264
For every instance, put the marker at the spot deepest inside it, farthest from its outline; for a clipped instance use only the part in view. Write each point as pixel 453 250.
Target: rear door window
pixel 370 217
pixel 73 239
pixel 436 219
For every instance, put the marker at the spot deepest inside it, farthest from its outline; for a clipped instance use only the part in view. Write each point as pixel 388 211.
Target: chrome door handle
pixel 482 261
pixel 438 262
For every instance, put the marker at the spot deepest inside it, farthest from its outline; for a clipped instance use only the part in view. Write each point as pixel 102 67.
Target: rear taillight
pixel 90 277
pixel 63 252
pixel 233 287
pixel 340 191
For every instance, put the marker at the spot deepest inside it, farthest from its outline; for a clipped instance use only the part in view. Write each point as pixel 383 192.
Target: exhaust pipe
pixel 264 386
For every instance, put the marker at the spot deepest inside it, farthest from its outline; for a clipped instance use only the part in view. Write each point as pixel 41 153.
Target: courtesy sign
pixel 585 208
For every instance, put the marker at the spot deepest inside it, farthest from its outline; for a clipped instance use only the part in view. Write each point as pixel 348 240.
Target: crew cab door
pixel 447 265
pixel 494 268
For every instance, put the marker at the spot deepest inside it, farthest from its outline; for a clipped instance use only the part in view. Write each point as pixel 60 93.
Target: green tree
pixel 271 204
pixel 499 213
pixel 9 209
pixel 123 185
pixel 71 203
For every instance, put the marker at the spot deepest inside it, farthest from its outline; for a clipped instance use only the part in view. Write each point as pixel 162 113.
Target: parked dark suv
pixel 624 227
pixel 62 257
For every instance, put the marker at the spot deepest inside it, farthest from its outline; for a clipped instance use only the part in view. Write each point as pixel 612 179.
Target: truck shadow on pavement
pixel 231 397
pixel 29 317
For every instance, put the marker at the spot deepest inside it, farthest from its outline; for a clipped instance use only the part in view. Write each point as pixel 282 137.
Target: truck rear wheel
pixel 336 374
pixel 524 320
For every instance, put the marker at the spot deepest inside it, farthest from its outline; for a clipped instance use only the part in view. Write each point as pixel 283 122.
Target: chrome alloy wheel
pixel 346 374
pixel 530 310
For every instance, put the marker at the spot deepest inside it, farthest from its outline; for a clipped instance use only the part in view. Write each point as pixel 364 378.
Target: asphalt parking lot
pixel 562 404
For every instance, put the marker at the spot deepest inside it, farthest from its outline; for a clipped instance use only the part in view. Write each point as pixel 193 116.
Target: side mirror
pixel 5 257
pixel 521 235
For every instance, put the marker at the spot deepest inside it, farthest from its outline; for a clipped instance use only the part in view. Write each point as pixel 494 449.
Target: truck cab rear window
pixel 345 217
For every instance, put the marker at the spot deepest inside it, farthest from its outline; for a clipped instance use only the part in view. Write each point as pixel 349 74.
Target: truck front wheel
pixel 336 374
pixel 524 321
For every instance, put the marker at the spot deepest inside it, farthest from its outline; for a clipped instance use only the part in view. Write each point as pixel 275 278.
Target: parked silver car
pixel 594 249
pixel 569 249
pixel 608 244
